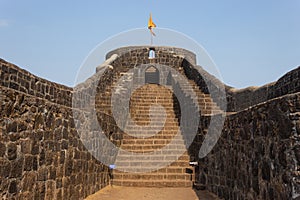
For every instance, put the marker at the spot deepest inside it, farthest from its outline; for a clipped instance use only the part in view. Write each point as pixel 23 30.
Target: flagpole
pixel 151 40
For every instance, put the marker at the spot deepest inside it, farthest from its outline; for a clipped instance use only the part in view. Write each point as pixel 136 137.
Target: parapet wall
pixel 258 153
pixel 41 153
pixel 143 51
pixel 43 157
pixel 129 58
pixel 244 98
pixel 21 80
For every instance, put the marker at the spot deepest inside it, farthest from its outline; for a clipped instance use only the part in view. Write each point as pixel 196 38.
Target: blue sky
pixel 252 42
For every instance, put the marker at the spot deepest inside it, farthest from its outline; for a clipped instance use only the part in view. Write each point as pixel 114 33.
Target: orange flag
pixel 151 25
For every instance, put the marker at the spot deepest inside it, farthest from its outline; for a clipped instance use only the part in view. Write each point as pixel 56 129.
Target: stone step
pixel 185 157
pixel 152 92
pixel 149 95
pixel 147 105
pixel 147 116
pixel 153 183
pixel 159 121
pixel 151 133
pixel 144 165
pixel 153 102
pixel 150 141
pixel 154 138
pixel 155 113
pixel 154 176
pixel 164 152
pixel 151 147
pixel 141 163
pixel 169 169
pixel 153 89
pixel 160 131
pixel 167 108
pixel 158 127
pixel 155 125
pixel 152 99
pixel 146 151
pixel 144 111
pixel 155 121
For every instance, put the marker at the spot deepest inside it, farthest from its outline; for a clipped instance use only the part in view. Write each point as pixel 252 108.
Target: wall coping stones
pixel 12 76
pixel 190 56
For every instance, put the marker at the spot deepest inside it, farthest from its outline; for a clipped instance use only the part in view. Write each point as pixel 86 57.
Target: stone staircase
pixel 207 106
pixel 147 134
pixel 103 98
pixel 144 148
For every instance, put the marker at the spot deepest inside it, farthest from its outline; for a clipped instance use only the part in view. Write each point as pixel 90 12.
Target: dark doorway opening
pixel 152 75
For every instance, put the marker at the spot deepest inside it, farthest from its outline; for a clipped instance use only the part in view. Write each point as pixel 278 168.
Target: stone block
pixel 26 195
pixel 28 165
pixel 12 127
pixel 40 190
pixel 2 149
pixel 29 181
pixel 5 168
pixel 50 190
pixel 35 148
pixel 42 173
pixel 16 168
pixel 13 187
pixel 26 146
pixel 12 151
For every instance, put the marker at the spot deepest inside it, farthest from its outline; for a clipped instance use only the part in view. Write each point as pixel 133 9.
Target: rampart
pixel 41 154
pixel 244 98
pixel 43 157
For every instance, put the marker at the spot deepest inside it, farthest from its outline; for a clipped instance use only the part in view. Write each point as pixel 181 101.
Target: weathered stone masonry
pixel 257 156
pixel 244 98
pixel 42 157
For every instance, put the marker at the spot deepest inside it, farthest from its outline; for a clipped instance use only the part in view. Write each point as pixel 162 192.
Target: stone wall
pixel 207 83
pixel 143 51
pixel 21 80
pixel 244 98
pixel 137 56
pixel 41 154
pixel 257 155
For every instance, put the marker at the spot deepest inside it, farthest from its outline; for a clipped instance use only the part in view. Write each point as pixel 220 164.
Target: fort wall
pixel 244 98
pixel 257 155
pixel 42 155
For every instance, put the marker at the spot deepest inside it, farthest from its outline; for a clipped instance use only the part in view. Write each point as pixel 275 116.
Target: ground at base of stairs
pixel 132 193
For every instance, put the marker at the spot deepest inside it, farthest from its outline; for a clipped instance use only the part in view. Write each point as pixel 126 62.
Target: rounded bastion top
pixel 188 55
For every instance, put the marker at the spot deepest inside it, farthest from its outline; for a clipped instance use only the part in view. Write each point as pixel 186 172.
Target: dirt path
pixel 137 193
